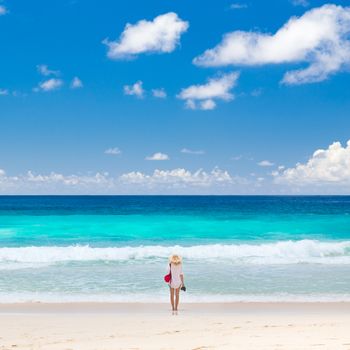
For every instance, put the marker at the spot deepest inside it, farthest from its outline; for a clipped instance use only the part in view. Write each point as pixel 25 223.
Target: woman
pixel 176 281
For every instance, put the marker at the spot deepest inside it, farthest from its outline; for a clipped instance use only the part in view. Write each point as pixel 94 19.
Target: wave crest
pixel 282 252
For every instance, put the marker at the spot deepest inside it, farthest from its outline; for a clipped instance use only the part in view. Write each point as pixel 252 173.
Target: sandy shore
pixel 88 326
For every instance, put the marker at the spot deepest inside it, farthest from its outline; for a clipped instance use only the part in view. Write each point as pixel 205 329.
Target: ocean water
pixel 115 248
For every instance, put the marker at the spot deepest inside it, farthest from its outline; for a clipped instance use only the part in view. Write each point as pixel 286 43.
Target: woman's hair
pixel 175 259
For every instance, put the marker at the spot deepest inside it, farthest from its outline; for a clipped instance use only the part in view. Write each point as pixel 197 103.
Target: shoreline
pixel 163 307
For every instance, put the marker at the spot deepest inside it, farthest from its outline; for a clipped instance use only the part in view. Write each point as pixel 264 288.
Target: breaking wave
pixel 281 252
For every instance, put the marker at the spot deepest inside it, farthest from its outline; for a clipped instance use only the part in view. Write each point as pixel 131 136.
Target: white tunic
pixel 176 272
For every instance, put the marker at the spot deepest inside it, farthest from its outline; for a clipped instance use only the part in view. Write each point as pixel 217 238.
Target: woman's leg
pixel 172 292
pixel 177 291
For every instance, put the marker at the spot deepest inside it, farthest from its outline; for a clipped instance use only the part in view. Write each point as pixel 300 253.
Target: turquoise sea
pixel 115 248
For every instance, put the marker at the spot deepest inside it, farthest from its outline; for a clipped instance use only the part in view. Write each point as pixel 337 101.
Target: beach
pixel 112 326
pixel 86 273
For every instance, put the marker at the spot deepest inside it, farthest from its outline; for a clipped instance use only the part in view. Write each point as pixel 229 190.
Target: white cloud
pixel 76 83
pixel 238 6
pixel 265 163
pixel 49 85
pixel 158 156
pixel 190 104
pixel 43 69
pixel 113 151
pixel 207 105
pixel 3 10
pixel 190 151
pixel 159 93
pixel 179 177
pixel 134 90
pixel 325 167
pixel 53 182
pixel 319 38
pixel 173 181
pixel 161 35
pixel 215 88
pixel 4 92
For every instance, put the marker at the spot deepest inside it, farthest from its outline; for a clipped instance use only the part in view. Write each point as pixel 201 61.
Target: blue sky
pixel 243 137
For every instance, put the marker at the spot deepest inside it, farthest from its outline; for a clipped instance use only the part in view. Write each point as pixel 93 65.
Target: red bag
pixel 167 278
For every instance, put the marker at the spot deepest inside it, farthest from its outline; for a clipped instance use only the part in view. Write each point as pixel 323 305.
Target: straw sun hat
pixel 175 259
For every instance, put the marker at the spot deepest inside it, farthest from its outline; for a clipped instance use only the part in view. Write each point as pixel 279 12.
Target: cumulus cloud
pixel 43 69
pixel 54 183
pixel 161 35
pixel 179 177
pixel 49 85
pixel 190 104
pixel 76 83
pixel 204 96
pixel 159 93
pixel 3 10
pixel 135 89
pixel 190 151
pixel 319 38
pixel 113 151
pixel 329 166
pixel 207 105
pixel 173 181
pixel 265 163
pixel 158 156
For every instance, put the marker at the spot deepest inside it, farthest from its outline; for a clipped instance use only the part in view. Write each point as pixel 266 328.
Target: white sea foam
pixel 282 252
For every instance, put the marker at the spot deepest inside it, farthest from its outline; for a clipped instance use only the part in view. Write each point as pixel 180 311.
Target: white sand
pixel 198 326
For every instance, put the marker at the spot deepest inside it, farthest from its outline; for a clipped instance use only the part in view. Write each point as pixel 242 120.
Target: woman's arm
pixel 182 279
pixel 182 276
